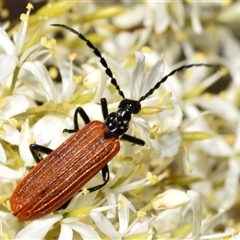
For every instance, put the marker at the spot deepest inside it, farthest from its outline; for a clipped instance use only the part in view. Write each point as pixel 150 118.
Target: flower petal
pixel 213 222
pixel 47 128
pixel 219 106
pixel 124 213
pixel 11 134
pixel 104 225
pixel 86 231
pixel 40 74
pixel 20 36
pixel 5 43
pixel 7 65
pixel 219 147
pixel 137 76
pixel 171 198
pixel 195 18
pixel 38 228
pixel 231 188
pixel 168 220
pixel 122 20
pixel 138 227
pixel 3 157
pixel 66 232
pixel 161 16
pixel 170 144
pixel 14 105
pixel 9 175
pixel 197 210
pixel 26 138
pixel 153 76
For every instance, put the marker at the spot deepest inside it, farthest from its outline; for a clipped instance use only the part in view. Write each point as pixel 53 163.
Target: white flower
pixel 161 17
pixel 219 146
pixel 25 139
pixel 9 175
pixel 139 201
pixel 167 220
pixel 38 228
pixel 86 231
pixel 171 198
pixel 14 57
pixel 201 227
pixel 12 106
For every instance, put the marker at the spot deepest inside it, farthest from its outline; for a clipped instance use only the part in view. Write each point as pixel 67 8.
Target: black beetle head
pixel 133 105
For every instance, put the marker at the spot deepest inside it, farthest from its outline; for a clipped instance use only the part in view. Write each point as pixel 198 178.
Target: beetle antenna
pixel 97 53
pixel 150 92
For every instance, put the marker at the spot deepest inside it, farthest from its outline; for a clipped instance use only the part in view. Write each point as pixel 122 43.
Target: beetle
pixel 64 171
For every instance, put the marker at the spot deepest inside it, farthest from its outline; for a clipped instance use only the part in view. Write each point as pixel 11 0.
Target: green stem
pixel 62 108
pixel 147 208
pixel 14 80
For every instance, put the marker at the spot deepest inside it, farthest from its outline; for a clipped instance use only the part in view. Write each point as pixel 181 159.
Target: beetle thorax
pixel 117 122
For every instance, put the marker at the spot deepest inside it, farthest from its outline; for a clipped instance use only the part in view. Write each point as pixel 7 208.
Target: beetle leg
pixel 105 176
pixel 132 139
pixel 83 115
pixel 104 108
pixel 37 149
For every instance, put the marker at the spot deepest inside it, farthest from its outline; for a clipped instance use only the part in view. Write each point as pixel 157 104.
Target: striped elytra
pixel 62 173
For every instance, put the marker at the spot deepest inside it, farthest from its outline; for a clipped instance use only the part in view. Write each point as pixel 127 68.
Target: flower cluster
pixel 184 182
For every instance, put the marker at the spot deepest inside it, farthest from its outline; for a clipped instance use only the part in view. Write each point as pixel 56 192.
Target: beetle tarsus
pixel 105 177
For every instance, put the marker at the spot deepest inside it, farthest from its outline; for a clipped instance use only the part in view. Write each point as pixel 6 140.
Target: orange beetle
pixel 65 170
